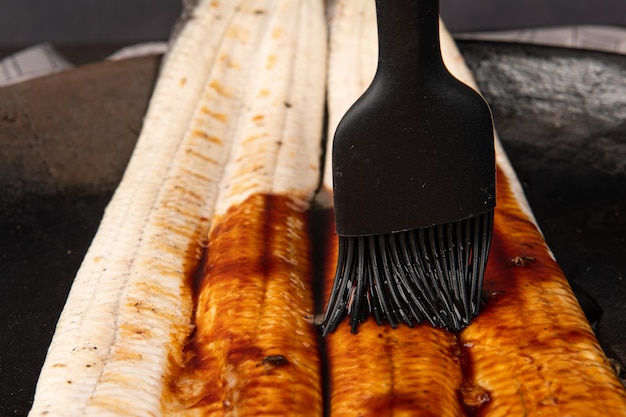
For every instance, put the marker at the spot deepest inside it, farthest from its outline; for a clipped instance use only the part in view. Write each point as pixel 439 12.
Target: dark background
pixel 25 22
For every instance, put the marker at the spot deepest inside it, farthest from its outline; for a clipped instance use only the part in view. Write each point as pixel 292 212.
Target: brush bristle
pixel 432 275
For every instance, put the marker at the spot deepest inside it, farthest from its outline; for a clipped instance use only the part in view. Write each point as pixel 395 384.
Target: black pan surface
pixel 561 115
pixel 65 140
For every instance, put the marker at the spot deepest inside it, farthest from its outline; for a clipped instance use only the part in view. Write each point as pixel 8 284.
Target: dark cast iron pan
pixel 65 141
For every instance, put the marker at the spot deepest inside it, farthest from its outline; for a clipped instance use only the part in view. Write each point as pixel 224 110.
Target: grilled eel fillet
pixel 230 148
pixel 530 352
pixel 227 159
pixel 255 349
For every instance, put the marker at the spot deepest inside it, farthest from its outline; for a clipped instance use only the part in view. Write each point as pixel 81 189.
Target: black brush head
pixel 431 275
pixel 413 182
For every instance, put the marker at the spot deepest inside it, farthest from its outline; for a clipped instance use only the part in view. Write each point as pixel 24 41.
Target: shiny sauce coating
pixel 254 350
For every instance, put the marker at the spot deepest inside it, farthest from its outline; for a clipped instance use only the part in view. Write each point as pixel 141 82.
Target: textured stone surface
pixel 75 129
pixel 64 143
pixel 65 140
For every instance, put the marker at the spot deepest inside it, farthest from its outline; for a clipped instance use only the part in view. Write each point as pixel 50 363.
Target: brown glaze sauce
pixel 254 349
pixel 389 372
pixel 530 322
pixel 530 351
pixel 529 327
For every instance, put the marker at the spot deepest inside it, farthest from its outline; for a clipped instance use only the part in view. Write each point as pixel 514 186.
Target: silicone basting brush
pixel 414 185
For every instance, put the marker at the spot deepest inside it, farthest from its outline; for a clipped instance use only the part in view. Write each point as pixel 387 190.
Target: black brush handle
pixel 408 39
pixel 416 150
